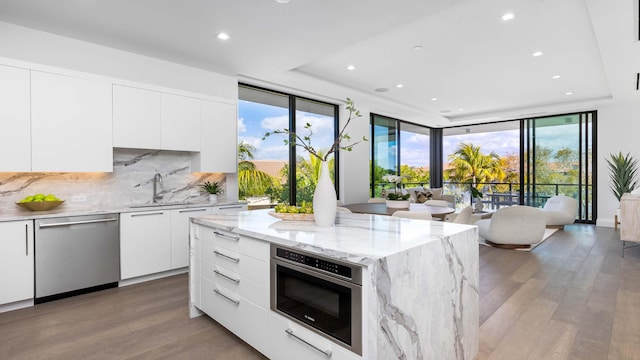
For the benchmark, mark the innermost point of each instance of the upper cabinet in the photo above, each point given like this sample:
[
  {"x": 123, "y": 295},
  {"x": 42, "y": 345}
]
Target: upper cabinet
[
  {"x": 15, "y": 119},
  {"x": 136, "y": 118},
  {"x": 148, "y": 119},
  {"x": 219, "y": 137},
  {"x": 70, "y": 124},
  {"x": 180, "y": 123}
]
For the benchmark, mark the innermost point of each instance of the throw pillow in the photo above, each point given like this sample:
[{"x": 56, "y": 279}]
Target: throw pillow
[
  {"x": 436, "y": 194},
  {"x": 422, "y": 196}
]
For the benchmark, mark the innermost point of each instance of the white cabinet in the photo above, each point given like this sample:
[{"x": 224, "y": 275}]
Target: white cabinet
[
  {"x": 219, "y": 138},
  {"x": 16, "y": 261},
  {"x": 180, "y": 123},
  {"x": 136, "y": 118},
  {"x": 290, "y": 341},
  {"x": 229, "y": 208},
  {"x": 232, "y": 288},
  {"x": 15, "y": 119},
  {"x": 71, "y": 124},
  {"x": 180, "y": 219},
  {"x": 148, "y": 119},
  {"x": 145, "y": 243}
]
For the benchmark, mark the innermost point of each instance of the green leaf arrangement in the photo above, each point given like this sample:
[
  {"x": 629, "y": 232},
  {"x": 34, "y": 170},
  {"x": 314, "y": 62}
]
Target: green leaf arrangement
[
  {"x": 211, "y": 187},
  {"x": 623, "y": 173}
]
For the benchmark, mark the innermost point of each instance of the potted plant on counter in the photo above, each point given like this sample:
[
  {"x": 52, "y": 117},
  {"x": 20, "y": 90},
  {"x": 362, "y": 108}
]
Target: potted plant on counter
[
  {"x": 213, "y": 188},
  {"x": 394, "y": 199}
]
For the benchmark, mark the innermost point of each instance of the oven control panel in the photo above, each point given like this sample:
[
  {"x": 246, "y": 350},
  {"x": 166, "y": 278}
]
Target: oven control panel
[{"x": 314, "y": 262}]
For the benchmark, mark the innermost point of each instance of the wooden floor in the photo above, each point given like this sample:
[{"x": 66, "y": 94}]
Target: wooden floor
[{"x": 573, "y": 297}]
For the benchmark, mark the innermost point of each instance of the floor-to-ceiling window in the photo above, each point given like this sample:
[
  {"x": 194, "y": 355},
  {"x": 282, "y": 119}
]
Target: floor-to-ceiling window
[
  {"x": 523, "y": 161},
  {"x": 558, "y": 161},
  {"x": 398, "y": 147},
  {"x": 486, "y": 156},
  {"x": 269, "y": 170}
]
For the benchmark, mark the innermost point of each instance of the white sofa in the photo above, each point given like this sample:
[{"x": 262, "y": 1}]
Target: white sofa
[
  {"x": 513, "y": 227},
  {"x": 560, "y": 210}
]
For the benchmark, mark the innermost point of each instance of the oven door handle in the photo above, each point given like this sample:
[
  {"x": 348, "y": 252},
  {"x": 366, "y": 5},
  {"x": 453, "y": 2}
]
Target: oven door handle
[{"x": 326, "y": 353}]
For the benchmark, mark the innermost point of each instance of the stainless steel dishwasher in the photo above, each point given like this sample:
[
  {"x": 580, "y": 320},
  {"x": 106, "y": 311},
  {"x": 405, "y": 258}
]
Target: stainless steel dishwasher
[{"x": 75, "y": 255}]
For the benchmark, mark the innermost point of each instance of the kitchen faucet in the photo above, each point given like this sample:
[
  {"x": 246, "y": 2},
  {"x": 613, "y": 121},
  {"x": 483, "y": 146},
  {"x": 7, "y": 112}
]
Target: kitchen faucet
[{"x": 157, "y": 178}]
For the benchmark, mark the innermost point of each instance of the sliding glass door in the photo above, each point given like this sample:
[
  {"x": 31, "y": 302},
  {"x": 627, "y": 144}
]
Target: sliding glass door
[{"x": 558, "y": 155}]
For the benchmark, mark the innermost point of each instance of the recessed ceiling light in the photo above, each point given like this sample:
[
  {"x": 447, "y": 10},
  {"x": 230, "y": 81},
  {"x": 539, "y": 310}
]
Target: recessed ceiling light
[
  {"x": 350, "y": 67},
  {"x": 223, "y": 36},
  {"x": 508, "y": 16},
  {"x": 461, "y": 109},
  {"x": 381, "y": 90},
  {"x": 569, "y": 93},
  {"x": 282, "y": 1},
  {"x": 555, "y": 77},
  {"x": 417, "y": 47},
  {"x": 399, "y": 86},
  {"x": 537, "y": 53},
  {"x": 434, "y": 99}
]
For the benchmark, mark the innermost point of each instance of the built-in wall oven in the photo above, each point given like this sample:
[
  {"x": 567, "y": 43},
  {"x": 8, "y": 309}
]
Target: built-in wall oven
[{"x": 322, "y": 294}]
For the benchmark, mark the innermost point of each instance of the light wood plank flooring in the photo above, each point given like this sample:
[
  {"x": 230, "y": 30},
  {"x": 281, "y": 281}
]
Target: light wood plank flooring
[{"x": 573, "y": 297}]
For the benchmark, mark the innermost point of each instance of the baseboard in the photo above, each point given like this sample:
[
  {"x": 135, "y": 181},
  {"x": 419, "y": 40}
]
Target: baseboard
[
  {"x": 150, "y": 277},
  {"x": 16, "y": 305},
  {"x": 606, "y": 222}
]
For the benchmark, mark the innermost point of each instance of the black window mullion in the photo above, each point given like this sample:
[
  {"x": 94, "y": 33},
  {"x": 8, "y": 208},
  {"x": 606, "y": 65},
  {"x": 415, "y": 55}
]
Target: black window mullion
[{"x": 292, "y": 151}]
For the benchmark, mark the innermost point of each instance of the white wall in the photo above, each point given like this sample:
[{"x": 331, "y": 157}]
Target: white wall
[
  {"x": 40, "y": 47},
  {"x": 618, "y": 130},
  {"x": 354, "y": 165}
]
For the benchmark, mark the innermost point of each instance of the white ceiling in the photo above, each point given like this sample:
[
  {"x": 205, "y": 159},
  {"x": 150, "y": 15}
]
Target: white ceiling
[{"x": 470, "y": 59}]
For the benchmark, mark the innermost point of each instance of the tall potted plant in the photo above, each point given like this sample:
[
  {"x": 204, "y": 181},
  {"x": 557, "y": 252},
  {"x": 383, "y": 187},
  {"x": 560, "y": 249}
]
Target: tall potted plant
[{"x": 623, "y": 170}]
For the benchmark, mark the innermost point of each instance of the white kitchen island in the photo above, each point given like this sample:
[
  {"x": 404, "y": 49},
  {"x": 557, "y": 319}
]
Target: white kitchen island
[{"x": 419, "y": 283}]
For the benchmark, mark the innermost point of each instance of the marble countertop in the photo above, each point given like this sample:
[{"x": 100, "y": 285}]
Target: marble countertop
[
  {"x": 357, "y": 238},
  {"x": 61, "y": 211}
]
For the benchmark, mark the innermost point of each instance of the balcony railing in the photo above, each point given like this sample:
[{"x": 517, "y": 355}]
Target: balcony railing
[{"x": 497, "y": 195}]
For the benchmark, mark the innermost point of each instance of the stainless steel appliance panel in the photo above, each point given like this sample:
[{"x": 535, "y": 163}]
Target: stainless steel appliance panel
[
  {"x": 322, "y": 294},
  {"x": 73, "y": 253}
]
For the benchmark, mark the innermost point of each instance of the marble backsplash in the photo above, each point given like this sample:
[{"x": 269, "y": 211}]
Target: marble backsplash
[{"x": 130, "y": 183}]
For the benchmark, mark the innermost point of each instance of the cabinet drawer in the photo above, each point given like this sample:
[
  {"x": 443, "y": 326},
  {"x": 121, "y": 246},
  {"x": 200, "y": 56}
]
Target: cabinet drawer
[
  {"x": 239, "y": 284},
  {"x": 244, "y": 245},
  {"x": 290, "y": 341},
  {"x": 244, "y": 265},
  {"x": 240, "y": 316}
]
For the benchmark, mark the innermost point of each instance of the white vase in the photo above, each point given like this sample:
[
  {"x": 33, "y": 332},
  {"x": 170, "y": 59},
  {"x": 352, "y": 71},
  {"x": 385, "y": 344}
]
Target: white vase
[
  {"x": 324, "y": 198},
  {"x": 398, "y": 204},
  {"x": 213, "y": 198}
]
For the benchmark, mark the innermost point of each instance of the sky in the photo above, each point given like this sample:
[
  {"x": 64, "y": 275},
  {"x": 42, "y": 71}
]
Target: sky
[{"x": 255, "y": 119}]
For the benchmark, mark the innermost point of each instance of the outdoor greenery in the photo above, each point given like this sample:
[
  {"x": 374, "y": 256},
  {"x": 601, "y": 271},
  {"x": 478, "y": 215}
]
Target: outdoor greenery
[
  {"x": 252, "y": 181},
  {"x": 469, "y": 165}
]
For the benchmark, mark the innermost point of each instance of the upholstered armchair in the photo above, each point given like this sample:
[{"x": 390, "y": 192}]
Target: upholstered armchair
[
  {"x": 560, "y": 210},
  {"x": 513, "y": 227}
]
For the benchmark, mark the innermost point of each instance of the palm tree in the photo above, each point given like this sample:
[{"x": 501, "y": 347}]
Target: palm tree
[
  {"x": 251, "y": 181},
  {"x": 470, "y": 165}
]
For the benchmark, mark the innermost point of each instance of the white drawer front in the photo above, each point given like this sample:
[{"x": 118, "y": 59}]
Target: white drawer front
[
  {"x": 240, "y": 316},
  {"x": 236, "y": 262},
  {"x": 290, "y": 341},
  {"x": 239, "y": 284},
  {"x": 245, "y": 245}
]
